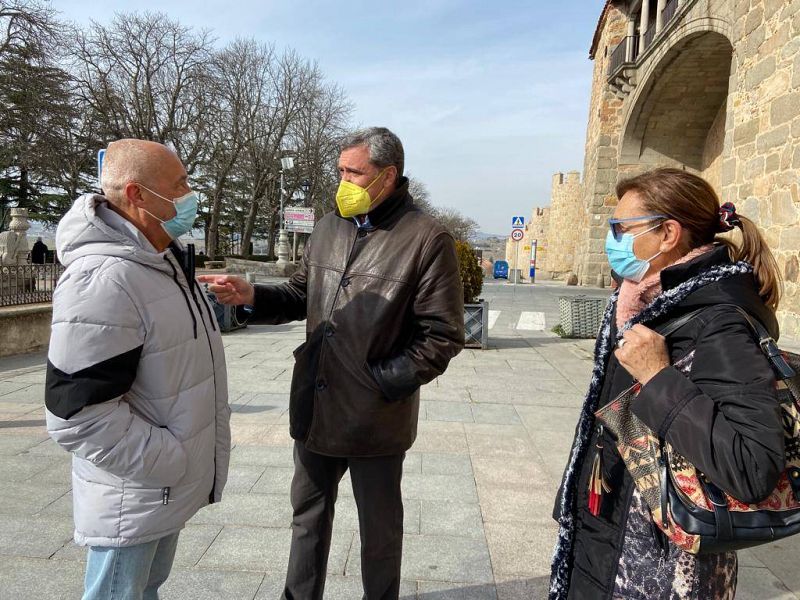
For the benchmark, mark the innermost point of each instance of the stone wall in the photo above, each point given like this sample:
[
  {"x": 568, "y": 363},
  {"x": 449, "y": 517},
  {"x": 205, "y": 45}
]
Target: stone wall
[
  {"x": 761, "y": 166},
  {"x": 566, "y": 208},
  {"x": 25, "y": 328}
]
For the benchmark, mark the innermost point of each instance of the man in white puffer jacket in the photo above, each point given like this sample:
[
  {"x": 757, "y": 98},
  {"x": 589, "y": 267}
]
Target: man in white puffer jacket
[{"x": 136, "y": 380}]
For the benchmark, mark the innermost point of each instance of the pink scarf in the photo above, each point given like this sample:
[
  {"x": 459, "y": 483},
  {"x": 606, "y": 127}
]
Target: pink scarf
[{"x": 634, "y": 297}]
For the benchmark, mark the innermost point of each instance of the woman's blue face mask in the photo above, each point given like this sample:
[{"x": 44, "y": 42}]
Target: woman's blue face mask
[{"x": 619, "y": 248}]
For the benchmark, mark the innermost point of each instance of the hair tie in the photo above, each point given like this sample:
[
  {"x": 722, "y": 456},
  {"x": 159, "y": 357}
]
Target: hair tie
[{"x": 728, "y": 219}]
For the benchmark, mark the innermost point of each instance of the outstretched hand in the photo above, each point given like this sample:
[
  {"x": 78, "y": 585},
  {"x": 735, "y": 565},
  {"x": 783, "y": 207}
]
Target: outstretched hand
[{"x": 229, "y": 289}]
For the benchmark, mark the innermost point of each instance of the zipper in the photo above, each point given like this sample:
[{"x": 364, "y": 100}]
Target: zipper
[
  {"x": 165, "y": 496},
  {"x": 185, "y": 295},
  {"x": 662, "y": 461},
  {"x": 213, "y": 365}
]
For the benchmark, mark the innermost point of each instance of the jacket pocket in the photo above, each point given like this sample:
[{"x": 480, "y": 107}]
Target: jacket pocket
[
  {"x": 304, "y": 388},
  {"x": 369, "y": 378}
]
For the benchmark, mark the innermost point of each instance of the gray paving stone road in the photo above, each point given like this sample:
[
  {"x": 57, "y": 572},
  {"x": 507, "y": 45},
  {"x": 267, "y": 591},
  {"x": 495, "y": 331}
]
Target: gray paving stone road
[{"x": 478, "y": 486}]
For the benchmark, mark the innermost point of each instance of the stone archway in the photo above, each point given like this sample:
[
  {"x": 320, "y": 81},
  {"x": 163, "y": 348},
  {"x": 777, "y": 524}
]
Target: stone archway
[{"x": 677, "y": 115}]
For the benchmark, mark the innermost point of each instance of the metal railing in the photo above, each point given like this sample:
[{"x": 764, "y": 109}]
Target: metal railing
[
  {"x": 28, "y": 283},
  {"x": 618, "y": 58},
  {"x": 669, "y": 11},
  {"x": 620, "y": 55}
]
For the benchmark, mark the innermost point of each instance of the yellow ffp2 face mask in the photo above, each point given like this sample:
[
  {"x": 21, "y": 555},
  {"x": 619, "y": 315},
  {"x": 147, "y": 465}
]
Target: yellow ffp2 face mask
[{"x": 352, "y": 199}]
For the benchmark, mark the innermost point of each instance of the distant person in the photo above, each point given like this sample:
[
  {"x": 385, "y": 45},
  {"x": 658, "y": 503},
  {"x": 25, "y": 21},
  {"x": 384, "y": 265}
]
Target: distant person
[
  {"x": 379, "y": 286},
  {"x": 724, "y": 417},
  {"x": 136, "y": 383},
  {"x": 39, "y": 252}
]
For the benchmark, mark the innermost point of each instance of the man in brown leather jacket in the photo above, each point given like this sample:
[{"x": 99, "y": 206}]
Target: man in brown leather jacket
[{"x": 383, "y": 301}]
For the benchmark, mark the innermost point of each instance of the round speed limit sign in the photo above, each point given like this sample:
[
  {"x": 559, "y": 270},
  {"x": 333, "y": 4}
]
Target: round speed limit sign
[{"x": 517, "y": 235}]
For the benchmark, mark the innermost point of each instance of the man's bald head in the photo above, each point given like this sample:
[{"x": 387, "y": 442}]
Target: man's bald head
[{"x": 135, "y": 161}]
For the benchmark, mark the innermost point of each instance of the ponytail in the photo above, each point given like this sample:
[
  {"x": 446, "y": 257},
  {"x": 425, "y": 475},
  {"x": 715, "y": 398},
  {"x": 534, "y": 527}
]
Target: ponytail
[{"x": 752, "y": 248}]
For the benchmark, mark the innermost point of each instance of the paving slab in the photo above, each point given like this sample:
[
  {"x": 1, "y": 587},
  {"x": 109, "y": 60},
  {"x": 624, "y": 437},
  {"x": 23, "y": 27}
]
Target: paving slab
[
  {"x": 27, "y": 499},
  {"x": 196, "y": 584},
  {"x": 258, "y": 510},
  {"x": 498, "y": 414},
  {"x": 451, "y": 518},
  {"x": 33, "y": 537},
  {"x": 22, "y": 578},
  {"x": 437, "y": 590},
  {"x": 438, "y": 558},
  {"x": 439, "y": 487}
]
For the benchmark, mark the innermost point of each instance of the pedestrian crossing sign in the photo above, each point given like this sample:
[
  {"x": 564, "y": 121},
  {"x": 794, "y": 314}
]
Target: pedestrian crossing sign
[{"x": 518, "y": 222}]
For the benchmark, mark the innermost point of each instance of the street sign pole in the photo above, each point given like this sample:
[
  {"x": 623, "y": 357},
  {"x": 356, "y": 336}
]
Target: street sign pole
[
  {"x": 534, "y": 248},
  {"x": 517, "y": 235}
]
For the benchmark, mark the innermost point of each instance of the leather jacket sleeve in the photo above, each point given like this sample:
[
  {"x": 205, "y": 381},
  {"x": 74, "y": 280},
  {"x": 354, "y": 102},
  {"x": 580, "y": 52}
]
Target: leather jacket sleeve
[
  {"x": 438, "y": 309},
  {"x": 285, "y": 302},
  {"x": 725, "y": 418}
]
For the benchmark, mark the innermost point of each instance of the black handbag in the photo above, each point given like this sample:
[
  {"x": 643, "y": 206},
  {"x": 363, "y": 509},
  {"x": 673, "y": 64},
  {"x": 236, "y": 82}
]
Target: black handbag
[{"x": 693, "y": 512}]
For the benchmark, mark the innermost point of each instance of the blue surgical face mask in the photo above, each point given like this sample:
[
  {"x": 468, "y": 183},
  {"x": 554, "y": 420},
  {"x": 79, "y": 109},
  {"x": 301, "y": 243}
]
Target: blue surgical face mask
[
  {"x": 623, "y": 260},
  {"x": 185, "y": 214}
]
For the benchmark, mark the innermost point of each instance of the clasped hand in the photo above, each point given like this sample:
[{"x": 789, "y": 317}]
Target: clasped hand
[{"x": 643, "y": 353}]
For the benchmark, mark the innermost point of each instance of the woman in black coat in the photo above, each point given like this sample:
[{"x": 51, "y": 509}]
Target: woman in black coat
[{"x": 724, "y": 417}]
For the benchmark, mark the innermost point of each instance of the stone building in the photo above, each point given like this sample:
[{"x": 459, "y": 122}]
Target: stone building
[
  {"x": 711, "y": 86},
  {"x": 566, "y": 206}
]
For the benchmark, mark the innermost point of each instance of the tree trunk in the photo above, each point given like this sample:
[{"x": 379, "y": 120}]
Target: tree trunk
[
  {"x": 24, "y": 191},
  {"x": 213, "y": 228},
  {"x": 271, "y": 237},
  {"x": 249, "y": 225}
]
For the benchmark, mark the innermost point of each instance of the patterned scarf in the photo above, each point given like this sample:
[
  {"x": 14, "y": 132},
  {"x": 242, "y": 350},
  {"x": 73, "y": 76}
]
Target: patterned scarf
[
  {"x": 633, "y": 297},
  {"x": 561, "y": 567}
]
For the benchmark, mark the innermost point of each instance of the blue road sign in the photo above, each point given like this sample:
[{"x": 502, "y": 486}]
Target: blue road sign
[{"x": 518, "y": 222}]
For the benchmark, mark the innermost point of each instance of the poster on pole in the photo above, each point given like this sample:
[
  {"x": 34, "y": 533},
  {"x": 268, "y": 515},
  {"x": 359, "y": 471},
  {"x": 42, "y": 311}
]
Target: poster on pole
[
  {"x": 534, "y": 248},
  {"x": 299, "y": 219}
]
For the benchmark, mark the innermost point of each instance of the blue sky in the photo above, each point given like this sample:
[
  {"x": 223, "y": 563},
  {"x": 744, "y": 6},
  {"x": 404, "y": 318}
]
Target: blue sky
[{"x": 489, "y": 98}]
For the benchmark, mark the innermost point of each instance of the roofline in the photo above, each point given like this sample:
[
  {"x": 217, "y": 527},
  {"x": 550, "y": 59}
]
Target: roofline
[{"x": 598, "y": 30}]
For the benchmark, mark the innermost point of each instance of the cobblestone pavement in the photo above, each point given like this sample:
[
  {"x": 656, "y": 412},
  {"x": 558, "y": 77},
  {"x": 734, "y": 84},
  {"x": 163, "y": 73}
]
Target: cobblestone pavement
[{"x": 479, "y": 482}]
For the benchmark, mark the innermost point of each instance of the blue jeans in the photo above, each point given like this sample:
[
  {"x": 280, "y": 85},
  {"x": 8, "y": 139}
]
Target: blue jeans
[{"x": 129, "y": 572}]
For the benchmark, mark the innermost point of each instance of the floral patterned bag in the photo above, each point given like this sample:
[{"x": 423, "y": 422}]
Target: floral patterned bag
[{"x": 694, "y": 513}]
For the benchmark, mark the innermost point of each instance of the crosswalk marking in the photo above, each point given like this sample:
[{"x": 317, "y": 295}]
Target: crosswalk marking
[
  {"x": 531, "y": 321},
  {"x": 493, "y": 314}
]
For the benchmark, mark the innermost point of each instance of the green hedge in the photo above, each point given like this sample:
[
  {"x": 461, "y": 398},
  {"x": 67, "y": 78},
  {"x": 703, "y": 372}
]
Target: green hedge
[{"x": 470, "y": 271}]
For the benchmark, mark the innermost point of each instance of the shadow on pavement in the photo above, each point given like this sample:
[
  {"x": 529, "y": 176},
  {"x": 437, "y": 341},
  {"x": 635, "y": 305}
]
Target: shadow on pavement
[
  {"x": 16, "y": 424},
  {"x": 247, "y": 409},
  {"x": 512, "y": 589}
]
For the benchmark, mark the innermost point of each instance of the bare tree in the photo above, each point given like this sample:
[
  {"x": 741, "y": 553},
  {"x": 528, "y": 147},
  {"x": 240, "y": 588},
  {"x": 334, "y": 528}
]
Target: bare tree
[
  {"x": 461, "y": 227},
  {"x": 241, "y": 75},
  {"x": 144, "y": 76},
  {"x": 23, "y": 23},
  {"x": 293, "y": 83},
  {"x": 422, "y": 197}
]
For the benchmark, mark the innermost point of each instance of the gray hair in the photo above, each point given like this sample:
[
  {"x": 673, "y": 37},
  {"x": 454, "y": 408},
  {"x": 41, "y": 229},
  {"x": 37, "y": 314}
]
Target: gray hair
[{"x": 385, "y": 148}]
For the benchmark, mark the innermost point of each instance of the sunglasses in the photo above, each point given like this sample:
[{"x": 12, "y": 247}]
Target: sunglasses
[{"x": 615, "y": 224}]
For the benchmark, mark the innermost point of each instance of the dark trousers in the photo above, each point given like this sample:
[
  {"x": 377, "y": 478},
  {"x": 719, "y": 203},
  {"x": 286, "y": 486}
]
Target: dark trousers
[{"x": 376, "y": 487}]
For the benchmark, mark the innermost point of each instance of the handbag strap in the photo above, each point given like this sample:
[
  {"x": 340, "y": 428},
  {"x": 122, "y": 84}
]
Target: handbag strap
[
  {"x": 672, "y": 326},
  {"x": 768, "y": 345}
]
